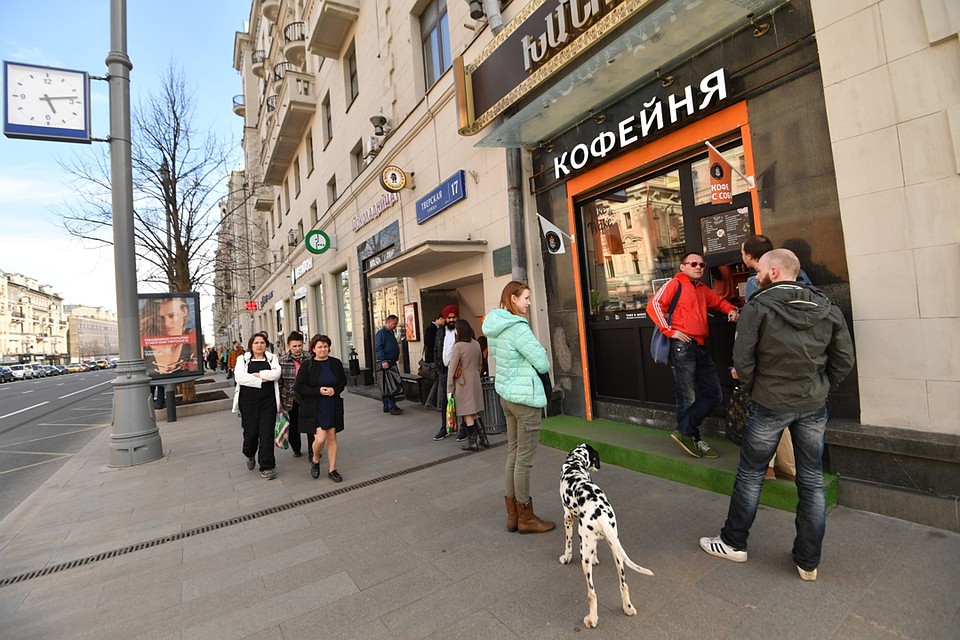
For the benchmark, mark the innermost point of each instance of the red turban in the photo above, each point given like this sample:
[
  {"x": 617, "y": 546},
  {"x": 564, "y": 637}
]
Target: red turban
[{"x": 451, "y": 308}]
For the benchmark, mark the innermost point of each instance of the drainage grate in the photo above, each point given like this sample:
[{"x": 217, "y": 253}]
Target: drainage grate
[{"x": 106, "y": 555}]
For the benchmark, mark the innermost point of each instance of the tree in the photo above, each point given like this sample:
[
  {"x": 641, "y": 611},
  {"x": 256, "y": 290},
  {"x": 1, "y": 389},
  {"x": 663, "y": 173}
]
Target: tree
[{"x": 178, "y": 173}]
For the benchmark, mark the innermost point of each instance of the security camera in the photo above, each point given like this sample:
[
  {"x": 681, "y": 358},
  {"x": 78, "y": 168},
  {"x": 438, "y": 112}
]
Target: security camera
[
  {"x": 476, "y": 9},
  {"x": 378, "y": 122}
]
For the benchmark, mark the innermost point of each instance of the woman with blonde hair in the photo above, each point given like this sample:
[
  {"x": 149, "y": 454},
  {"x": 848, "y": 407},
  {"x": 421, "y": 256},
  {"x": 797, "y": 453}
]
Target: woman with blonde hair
[{"x": 520, "y": 360}]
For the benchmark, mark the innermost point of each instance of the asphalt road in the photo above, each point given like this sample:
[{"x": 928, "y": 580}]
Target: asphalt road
[{"x": 43, "y": 422}]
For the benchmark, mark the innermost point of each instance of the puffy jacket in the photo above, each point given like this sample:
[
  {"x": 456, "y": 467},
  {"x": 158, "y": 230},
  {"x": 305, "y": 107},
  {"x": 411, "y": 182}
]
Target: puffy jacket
[
  {"x": 519, "y": 357},
  {"x": 690, "y": 314},
  {"x": 792, "y": 347}
]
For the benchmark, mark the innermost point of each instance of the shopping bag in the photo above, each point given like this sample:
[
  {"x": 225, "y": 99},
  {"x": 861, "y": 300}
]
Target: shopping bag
[
  {"x": 281, "y": 431},
  {"x": 738, "y": 412},
  {"x": 451, "y": 414}
]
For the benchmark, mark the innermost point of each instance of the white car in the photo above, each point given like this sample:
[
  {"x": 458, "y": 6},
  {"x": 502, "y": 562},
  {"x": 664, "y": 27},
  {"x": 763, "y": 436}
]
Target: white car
[{"x": 22, "y": 371}]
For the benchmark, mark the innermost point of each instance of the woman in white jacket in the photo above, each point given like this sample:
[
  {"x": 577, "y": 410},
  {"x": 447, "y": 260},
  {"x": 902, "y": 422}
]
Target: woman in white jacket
[{"x": 257, "y": 397}]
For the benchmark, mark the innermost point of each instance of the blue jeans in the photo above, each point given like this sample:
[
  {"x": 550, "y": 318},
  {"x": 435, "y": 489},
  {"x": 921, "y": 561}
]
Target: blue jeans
[
  {"x": 764, "y": 428},
  {"x": 389, "y": 402},
  {"x": 697, "y": 385}
]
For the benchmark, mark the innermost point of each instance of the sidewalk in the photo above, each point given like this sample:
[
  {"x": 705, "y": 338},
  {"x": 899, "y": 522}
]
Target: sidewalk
[{"x": 412, "y": 545}]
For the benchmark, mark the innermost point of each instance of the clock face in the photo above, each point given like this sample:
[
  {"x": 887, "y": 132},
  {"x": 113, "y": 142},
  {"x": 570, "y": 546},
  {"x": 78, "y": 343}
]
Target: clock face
[{"x": 44, "y": 102}]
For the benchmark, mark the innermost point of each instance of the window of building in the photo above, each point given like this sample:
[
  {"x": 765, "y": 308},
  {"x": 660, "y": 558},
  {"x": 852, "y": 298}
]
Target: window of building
[
  {"x": 300, "y": 230},
  {"x": 296, "y": 177},
  {"x": 327, "y": 120},
  {"x": 435, "y": 36},
  {"x": 332, "y": 194},
  {"x": 356, "y": 159},
  {"x": 611, "y": 272},
  {"x": 273, "y": 219},
  {"x": 627, "y": 220},
  {"x": 309, "y": 152},
  {"x": 314, "y": 218},
  {"x": 286, "y": 199},
  {"x": 350, "y": 74},
  {"x": 635, "y": 259}
]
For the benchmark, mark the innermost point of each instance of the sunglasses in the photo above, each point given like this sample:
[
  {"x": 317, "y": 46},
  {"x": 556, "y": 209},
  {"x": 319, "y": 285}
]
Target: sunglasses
[{"x": 701, "y": 265}]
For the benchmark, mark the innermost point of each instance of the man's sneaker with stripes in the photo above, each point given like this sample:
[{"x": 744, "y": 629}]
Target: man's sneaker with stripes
[{"x": 717, "y": 547}]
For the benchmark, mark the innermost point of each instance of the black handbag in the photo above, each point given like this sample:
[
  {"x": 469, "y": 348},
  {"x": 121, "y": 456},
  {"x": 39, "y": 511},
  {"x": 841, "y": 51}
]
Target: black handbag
[
  {"x": 427, "y": 370},
  {"x": 547, "y": 385}
]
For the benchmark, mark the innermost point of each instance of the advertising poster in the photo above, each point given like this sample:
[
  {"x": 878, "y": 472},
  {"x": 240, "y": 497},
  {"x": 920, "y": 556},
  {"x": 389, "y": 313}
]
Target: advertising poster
[{"x": 170, "y": 339}]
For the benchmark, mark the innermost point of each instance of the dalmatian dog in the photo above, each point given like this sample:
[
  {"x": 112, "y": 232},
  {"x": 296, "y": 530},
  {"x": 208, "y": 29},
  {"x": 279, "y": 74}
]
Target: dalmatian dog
[{"x": 585, "y": 501}]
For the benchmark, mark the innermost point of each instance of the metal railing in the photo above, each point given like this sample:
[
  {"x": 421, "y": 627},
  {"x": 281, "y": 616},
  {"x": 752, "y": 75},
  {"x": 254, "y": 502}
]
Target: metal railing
[
  {"x": 259, "y": 56},
  {"x": 294, "y": 32},
  {"x": 238, "y": 101},
  {"x": 272, "y": 102},
  {"x": 280, "y": 69}
]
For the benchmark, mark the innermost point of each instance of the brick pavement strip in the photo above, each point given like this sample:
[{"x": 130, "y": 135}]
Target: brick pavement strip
[{"x": 426, "y": 554}]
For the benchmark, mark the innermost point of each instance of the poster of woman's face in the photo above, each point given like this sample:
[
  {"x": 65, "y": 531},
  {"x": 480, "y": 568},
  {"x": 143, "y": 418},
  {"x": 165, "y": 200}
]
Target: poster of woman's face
[{"x": 168, "y": 334}]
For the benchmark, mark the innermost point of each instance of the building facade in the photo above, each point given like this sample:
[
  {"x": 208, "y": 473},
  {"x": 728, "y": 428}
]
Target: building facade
[
  {"x": 364, "y": 200},
  {"x": 93, "y": 332},
  {"x": 386, "y": 170},
  {"x": 32, "y": 323}
]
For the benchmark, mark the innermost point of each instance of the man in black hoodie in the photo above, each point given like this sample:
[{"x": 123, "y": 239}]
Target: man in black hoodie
[{"x": 792, "y": 349}]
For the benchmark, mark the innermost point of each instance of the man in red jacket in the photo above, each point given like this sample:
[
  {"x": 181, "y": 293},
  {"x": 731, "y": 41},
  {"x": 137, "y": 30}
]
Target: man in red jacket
[{"x": 694, "y": 373}]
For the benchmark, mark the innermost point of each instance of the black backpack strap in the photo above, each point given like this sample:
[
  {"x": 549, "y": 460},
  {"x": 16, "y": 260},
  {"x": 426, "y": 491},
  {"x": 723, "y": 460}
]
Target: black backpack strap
[{"x": 676, "y": 299}]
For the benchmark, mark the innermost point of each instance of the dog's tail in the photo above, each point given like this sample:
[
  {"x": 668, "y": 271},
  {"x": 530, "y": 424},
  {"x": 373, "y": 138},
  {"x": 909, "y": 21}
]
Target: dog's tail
[{"x": 614, "y": 540}]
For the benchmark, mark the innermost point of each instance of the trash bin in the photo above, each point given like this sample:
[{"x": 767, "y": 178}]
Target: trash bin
[{"x": 493, "y": 419}]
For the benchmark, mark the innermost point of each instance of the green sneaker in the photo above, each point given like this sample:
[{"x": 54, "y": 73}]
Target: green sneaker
[
  {"x": 686, "y": 443},
  {"x": 706, "y": 451}
]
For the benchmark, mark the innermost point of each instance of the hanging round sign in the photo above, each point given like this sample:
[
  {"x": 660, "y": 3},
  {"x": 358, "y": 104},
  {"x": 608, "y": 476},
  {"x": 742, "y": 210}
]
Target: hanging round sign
[{"x": 317, "y": 241}]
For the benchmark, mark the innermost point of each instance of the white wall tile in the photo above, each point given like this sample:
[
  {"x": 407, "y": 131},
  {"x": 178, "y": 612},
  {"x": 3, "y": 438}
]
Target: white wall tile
[
  {"x": 894, "y": 402},
  {"x": 851, "y": 46},
  {"x": 868, "y": 163},
  {"x": 883, "y": 286},
  {"x": 938, "y": 281},
  {"x": 861, "y": 104},
  {"x": 875, "y": 223}
]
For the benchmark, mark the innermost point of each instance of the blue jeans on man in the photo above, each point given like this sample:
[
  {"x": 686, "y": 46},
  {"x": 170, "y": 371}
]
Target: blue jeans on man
[
  {"x": 697, "y": 385},
  {"x": 764, "y": 428}
]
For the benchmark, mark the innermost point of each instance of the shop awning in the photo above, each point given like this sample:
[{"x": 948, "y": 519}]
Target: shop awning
[
  {"x": 428, "y": 256},
  {"x": 666, "y": 34}
]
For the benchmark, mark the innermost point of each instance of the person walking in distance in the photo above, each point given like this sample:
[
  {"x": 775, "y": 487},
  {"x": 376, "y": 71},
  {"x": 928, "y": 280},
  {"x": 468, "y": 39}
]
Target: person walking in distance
[
  {"x": 290, "y": 363},
  {"x": 519, "y": 360},
  {"x": 388, "y": 352},
  {"x": 320, "y": 383},
  {"x": 792, "y": 349},
  {"x": 694, "y": 373},
  {"x": 442, "y": 348}
]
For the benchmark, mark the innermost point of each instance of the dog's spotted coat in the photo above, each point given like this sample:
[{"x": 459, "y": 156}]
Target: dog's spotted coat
[{"x": 585, "y": 501}]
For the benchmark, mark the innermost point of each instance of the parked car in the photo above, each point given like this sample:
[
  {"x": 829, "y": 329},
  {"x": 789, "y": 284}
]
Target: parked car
[
  {"x": 51, "y": 370},
  {"x": 102, "y": 364},
  {"x": 74, "y": 367},
  {"x": 61, "y": 368},
  {"x": 112, "y": 362},
  {"x": 89, "y": 365},
  {"x": 6, "y": 375},
  {"x": 38, "y": 371},
  {"x": 22, "y": 371}
]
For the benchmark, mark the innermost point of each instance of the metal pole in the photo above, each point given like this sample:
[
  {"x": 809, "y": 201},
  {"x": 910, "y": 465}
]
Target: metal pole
[
  {"x": 518, "y": 239},
  {"x": 135, "y": 438}
]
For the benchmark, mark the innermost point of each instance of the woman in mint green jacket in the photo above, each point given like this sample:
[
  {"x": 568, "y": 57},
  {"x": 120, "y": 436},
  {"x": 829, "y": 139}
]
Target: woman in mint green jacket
[{"x": 519, "y": 358}]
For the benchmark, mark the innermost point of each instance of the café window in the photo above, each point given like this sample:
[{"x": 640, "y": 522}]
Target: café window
[{"x": 626, "y": 264}]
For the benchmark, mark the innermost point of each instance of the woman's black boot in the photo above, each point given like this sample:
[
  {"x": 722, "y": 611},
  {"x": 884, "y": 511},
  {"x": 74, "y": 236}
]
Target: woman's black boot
[
  {"x": 481, "y": 434},
  {"x": 471, "y": 439}
]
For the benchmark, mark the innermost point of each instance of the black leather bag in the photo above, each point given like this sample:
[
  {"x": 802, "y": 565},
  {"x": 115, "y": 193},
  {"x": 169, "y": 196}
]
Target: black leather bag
[
  {"x": 738, "y": 412},
  {"x": 547, "y": 385},
  {"x": 427, "y": 370}
]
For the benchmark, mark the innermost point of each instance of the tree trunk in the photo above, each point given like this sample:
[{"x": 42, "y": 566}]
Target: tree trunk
[{"x": 188, "y": 391}]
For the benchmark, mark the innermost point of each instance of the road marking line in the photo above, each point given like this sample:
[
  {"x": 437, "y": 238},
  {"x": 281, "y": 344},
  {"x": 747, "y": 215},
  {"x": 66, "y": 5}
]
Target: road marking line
[
  {"x": 87, "y": 389},
  {"x": 32, "y": 453},
  {"x": 24, "y": 409},
  {"x": 35, "y": 464},
  {"x": 26, "y": 392},
  {"x": 54, "y": 435}
]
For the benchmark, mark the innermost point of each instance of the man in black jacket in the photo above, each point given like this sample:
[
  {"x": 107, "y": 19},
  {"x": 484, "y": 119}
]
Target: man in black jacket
[
  {"x": 443, "y": 346},
  {"x": 388, "y": 352},
  {"x": 430, "y": 333},
  {"x": 792, "y": 349}
]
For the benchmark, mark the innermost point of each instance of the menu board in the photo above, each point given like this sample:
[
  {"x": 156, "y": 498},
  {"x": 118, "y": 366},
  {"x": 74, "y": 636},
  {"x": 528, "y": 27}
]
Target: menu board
[{"x": 725, "y": 231}]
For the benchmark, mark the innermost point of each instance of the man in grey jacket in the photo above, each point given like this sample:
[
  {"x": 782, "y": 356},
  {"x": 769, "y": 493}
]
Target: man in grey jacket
[{"x": 792, "y": 349}]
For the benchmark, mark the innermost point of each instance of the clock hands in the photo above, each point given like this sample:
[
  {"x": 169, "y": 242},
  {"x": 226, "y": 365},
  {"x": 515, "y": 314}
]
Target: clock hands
[{"x": 49, "y": 100}]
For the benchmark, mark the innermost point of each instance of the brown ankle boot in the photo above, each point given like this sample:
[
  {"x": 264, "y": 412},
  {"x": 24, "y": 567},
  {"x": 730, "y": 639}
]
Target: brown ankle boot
[
  {"x": 511, "y": 514},
  {"x": 528, "y": 522}
]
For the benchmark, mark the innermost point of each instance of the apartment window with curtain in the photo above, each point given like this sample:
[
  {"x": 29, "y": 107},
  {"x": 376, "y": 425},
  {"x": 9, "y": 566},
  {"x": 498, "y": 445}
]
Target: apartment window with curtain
[
  {"x": 296, "y": 177},
  {"x": 332, "y": 194},
  {"x": 435, "y": 36},
  {"x": 350, "y": 73}
]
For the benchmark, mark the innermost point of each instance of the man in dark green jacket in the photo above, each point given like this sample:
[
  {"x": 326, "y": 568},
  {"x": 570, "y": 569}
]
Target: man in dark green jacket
[{"x": 792, "y": 349}]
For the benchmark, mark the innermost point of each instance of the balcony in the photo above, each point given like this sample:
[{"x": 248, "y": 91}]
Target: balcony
[
  {"x": 263, "y": 199},
  {"x": 259, "y": 58},
  {"x": 271, "y": 9},
  {"x": 295, "y": 43},
  {"x": 238, "y": 107},
  {"x": 296, "y": 105},
  {"x": 271, "y": 103},
  {"x": 279, "y": 70},
  {"x": 331, "y": 21}
]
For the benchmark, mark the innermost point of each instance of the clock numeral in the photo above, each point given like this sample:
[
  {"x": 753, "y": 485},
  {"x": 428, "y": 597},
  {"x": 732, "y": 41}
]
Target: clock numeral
[{"x": 48, "y": 81}]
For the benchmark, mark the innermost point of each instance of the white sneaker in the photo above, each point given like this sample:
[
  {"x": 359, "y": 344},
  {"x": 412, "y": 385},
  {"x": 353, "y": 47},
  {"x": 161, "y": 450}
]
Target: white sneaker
[
  {"x": 717, "y": 547},
  {"x": 807, "y": 576}
]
